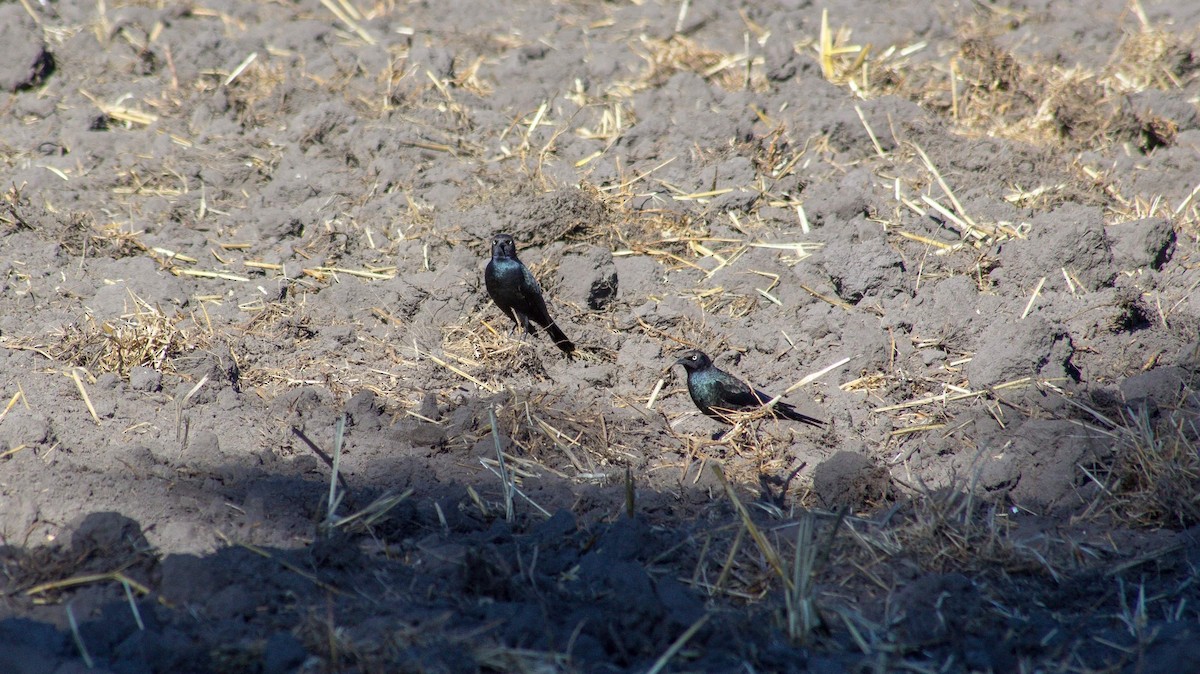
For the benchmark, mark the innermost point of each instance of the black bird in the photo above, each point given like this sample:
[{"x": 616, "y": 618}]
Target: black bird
[
  {"x": 718, "y": 393},
  {"x": 518, "y": 294}
]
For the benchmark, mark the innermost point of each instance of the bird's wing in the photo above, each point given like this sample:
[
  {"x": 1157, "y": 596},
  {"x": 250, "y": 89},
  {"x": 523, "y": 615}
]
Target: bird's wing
[
  {"x": 535, "y": 302},
  {"x": 764, "y": 398},
  {"x": 530, "y": 284},
  {"x": 736, "y": 395},
  {"x": 489, "y": 270}
]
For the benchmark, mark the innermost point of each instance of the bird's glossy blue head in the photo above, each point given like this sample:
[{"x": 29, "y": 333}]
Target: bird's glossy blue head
[
  {"x": 504, "y": 247},
  {"x": 694, "y": 360}
]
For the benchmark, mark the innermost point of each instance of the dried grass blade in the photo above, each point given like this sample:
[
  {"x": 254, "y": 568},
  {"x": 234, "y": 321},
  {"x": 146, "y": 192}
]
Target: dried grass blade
[
  {"x": 200, "y": 273},
  {"x": 505, "y": 478},
  {"x": 349, "y": 21},
  {"x": 678, "y": 645},
  {"x": 487, "y": 387},
  {"x": 764, "y": 546},
  {"x": 87, "y": 400},
  {"x": 12, "y": 402}
]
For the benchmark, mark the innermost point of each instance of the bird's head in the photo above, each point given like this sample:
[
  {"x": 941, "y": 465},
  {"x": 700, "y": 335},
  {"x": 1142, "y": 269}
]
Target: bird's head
[
  {"x": 694, "y": 360},
  {"x": 503, "y": 246}
]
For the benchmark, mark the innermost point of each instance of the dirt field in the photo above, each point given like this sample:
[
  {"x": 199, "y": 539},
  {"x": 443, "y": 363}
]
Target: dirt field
[{"x": 242, "y": 252}]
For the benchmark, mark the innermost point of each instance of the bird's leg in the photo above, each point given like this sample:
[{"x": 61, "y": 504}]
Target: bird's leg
[
  {"x": 523, "y": 321},
  {"x": 512, "y": 317}
]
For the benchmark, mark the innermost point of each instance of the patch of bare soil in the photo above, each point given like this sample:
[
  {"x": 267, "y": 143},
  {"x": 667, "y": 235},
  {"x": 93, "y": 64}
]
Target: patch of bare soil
[{"x": 257, "y": 413}]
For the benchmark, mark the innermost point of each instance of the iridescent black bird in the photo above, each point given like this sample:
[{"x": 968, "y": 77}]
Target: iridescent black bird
[
  {"x": 518, "y": 294},
  {"x": 718, "y": 393}
]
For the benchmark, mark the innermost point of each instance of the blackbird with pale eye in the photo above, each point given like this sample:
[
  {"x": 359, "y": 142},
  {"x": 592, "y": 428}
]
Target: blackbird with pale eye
[
  {"x": 719, "y": 394},
  {"x": 513, "y": 289}
]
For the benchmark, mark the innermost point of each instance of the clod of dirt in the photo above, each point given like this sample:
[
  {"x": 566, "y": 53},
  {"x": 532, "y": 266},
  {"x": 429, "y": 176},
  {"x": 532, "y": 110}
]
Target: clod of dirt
[
  {"x": 429, "y": 406},
  {"x": 866, "y": 269},
  {"x": 1164, "y": 386},
  {"x": 337, "y": 550},
  {"x": 30, "y": 647},
  {"x": 1072, "y": 238},
  {"x": 1038, "y": 468},
  {"x": 636, "y": 353},
  {"x": 589, "y": 279},
  {"x": 1162, "y": 117},
  {"x": 640, "y": 276},
  {"x": 1176, "y": 648},
  {"x": 935, "y": 606},
  {"x": 420, "y": 434},
  {"x": 27, "y": 62},
  {"x": 550, "y": 216},
  {"x": 185, "y": 579},
  {"x": 485, "y": 573},
  {"x": 304, "y": 404},
  {"x": 834, "y": 204},
  {"x": 108, "y": 533},
  {"x": 438, "y": 60},
  {"x": 850, "y": 479},
  {"x": 781, "y": 61},
  {"x": 669, "y": 312},
  {"x": 323, "y": 123},
  {"x": 936, "y": 609},
  {"x": 27, "y": 427},
  {"x": 1128, "y": 312},
  {"x": 1148, "y": 242},
  {"x": 364, "y": 412},
  {"x": 21, "y": 514},
  {"x": 205, "y": 443},
  {"x": 282, "y": 653},
  {"x": 145, "y": 379},
  {"x": 947, "y": 309},
  {"x": 221, "y": 371},
  {"x": 272, "y": 224},
  {"x": 1010, "y": 350}
]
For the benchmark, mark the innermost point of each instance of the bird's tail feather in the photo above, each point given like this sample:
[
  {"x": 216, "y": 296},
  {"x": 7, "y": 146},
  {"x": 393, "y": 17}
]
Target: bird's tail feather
[
  {"x": 560, "y": 339},
  {"x": 788, "y": 412}
]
